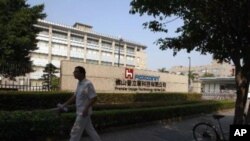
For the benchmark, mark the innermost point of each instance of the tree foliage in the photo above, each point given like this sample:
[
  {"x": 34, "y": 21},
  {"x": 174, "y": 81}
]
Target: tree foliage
[
  {"x": 193, "y": 75},
  {"x": 50, "y": 80},
  {"x": 164, "y": 70},
  {"x": 17, "y": 36},
  {"x": 218, "y": 27},
  {"x": 208, "y": 74}
]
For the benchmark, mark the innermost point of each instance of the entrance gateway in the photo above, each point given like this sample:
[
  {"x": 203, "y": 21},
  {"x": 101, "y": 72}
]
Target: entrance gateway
[{"x": 111, "y": 79}]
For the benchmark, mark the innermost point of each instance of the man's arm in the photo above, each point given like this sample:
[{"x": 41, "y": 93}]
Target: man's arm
[
  {"x": 70, "y": 100},
  {"x": 88, "y": 105}
]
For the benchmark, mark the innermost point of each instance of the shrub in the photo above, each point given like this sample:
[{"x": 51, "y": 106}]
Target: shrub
[
  {"x": 28, "y": 101},
  {"x": 12, "y": 101},
  {"x": 40, "y": 124},
  {"x": 146, "y": 97}
]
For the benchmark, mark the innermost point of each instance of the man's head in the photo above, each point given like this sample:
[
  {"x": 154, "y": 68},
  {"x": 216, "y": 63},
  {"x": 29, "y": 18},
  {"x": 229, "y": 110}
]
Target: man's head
[{"x": 79, "y": 73}]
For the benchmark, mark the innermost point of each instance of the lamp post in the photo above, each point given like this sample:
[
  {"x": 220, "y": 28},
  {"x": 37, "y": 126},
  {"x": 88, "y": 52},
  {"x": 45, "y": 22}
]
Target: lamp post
[
  {"x": 119, "y": 51},
  {"x": 189, "y": 74}
]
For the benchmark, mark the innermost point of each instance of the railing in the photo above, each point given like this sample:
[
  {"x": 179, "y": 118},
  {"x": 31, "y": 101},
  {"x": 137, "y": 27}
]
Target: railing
[
  {"x": 219, "y": 96},
  {"x": 14, "y": 87}
]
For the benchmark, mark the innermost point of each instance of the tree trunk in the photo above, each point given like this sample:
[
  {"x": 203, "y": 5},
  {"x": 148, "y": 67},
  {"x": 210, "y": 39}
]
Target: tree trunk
[
  {"x": 248, "y": 114},
  {"x": 242, "y": 85}
]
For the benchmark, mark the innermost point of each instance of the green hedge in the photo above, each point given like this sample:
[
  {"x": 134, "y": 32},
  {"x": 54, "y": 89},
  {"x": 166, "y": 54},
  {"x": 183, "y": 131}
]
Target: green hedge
[
  {"x": 132, "y": 116},
  {"x": 146, "y": 97},
  {"x": 102, "y": 106},
  {"x": 39, "y": 125},
  {"x": 34, "y": 92},
  {"x": 12, "y": 101}
]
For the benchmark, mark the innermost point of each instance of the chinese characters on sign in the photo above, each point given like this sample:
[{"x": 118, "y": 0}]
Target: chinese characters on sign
[{"x": 140, "y": 83}]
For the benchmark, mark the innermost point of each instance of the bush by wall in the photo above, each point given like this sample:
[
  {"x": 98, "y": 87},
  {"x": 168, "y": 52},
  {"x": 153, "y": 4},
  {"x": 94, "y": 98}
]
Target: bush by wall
[
  {"x": 105, "y": 106},
  {"x": 147, "y": 97},
  {"x": 132, "y": 116},
  {"x": 30, "y": 101},
  {"x": 12, "y": 101}
]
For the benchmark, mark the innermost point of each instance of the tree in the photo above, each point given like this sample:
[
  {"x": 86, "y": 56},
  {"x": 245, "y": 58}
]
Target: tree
[
  {"x": 50, "y": 80},
  {"x": 218, "y": 27},
  {"x": 163, "y": 70},
  {"x": 17, "y": 36},
  {"x": 193, "y": 75},
  {"x": 208, "y": 74}
]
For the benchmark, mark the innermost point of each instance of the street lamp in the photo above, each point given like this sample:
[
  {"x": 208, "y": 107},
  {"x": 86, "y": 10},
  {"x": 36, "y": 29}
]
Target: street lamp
[
  {"x": 189, "y": 74},
  {"x": 119, "y": 51}
]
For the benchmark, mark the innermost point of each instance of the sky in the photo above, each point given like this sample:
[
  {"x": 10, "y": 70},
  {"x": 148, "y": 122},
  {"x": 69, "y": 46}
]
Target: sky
[{"x": 111, "y": 17}]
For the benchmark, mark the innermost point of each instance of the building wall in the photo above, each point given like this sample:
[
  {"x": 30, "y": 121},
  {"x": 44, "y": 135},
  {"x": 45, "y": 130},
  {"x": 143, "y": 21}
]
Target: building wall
[
  {"x": 196, "y": 87},
  {"x": 57, "y": 42},
  {"x": 105, "y": 77},
  {"x": 219, "y": 70}
]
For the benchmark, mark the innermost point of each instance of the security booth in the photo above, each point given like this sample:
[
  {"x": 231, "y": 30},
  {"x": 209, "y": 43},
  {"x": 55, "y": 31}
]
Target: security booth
[{"x": 218, "y": 87}]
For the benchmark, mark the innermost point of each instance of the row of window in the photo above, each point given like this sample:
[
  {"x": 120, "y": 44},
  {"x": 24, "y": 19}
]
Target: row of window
[
  {"x": 61, "y": 49},
  {"x": 57, "y": 47},
  {"x": 42, "y": 60},
  {"x": 90, "y": 41},
  {"x": 79, "y": 54},
  {"x": 90, "y": 61}
]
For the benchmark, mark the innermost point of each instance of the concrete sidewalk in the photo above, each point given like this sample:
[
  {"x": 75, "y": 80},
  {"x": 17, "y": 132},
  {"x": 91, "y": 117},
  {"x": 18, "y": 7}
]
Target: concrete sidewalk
[{"x": 174, "y": 131}]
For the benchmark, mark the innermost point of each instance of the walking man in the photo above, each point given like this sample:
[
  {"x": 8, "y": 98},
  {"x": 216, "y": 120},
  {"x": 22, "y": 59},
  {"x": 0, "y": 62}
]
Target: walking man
[{"x": 84, "y": 97}]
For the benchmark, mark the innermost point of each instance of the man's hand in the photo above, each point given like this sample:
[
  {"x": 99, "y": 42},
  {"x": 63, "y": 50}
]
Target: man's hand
[{"x": 62, "y": 108}]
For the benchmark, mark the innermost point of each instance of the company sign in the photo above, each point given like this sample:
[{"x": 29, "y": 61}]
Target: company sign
[
  {"x": 129, "y": 73},
  {"x": 147, "y": 78},
  {"x": 138, "y": 82}
]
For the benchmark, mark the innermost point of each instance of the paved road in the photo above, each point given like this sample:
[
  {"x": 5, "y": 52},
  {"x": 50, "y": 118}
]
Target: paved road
[{"x": 171, "y": 131}]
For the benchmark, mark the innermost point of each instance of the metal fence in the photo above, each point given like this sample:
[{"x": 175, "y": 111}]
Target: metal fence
[
  {"x": 14, "y": 87},
  {"x": 219, "y": 96}
]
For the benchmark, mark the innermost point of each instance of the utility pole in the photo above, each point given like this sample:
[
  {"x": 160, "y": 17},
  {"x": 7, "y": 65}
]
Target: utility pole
[
  {"x": 119, "y": 51},
  {"x": 189, "y": 74}
]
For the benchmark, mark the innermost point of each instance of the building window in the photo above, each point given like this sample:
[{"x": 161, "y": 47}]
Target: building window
[
  {"x": 39, "y": 59},
  {"x": 76, "y": 52},
  {"x": 92, "y": 41},
  {"x": 91, "y": 51},
  {"x": 76, "y": 38},
  {"x": 45, "y": 32},
  {"x": 59, "y": 49},
  {"x": 42, "y": 47},
  {"x": 106, "y": 63},
  {"x": 117, "y": 48},
  {"x": 107, "y": 54},
  {"x": 59, "y": 34},
  {"x": 106, "y": 45},
  {"x": 132, "y": 66},
  {"x": 56, "y": 60},
  {"x": 121, "y": 56},
  {"x": 42, "y": 44},
  {"x": 116, "y": 64},
  {"x": 130, "y": 50},
  {"x": 130, "y": 58},
  {"x": 92, "y": 61},
  {"x": 76, "y": 59}
]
